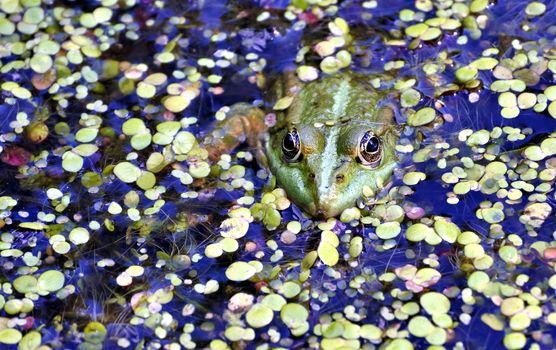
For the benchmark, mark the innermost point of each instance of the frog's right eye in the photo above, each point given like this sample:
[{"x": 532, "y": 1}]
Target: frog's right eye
[{"x": 291, "y": 147}]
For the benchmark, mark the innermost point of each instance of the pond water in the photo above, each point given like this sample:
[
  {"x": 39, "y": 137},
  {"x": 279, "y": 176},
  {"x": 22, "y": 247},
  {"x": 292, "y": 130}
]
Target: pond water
[{"x": 118, "y": 232}]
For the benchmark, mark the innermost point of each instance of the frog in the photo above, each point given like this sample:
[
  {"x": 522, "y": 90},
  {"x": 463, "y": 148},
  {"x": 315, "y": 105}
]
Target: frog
[{"x": 333, "y": 143}]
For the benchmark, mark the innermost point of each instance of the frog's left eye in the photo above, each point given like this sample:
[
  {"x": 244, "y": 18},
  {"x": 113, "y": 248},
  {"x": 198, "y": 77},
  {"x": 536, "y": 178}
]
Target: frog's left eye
[
  {"x": 291, "y": 148},
  {"x": 369, "y": 152}
]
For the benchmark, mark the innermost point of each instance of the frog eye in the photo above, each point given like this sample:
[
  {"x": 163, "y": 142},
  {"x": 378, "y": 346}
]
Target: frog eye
[
  {"x": 370, "y": 150},
  {"x": 291, "y": 146}
]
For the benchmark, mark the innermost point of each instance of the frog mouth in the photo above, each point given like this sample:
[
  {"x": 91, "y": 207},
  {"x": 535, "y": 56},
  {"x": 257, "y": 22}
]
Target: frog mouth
[{"x": 325, "y": 207}]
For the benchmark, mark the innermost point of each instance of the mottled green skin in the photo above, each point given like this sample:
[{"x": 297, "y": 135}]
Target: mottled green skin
[{"x": 329, "y": 179}]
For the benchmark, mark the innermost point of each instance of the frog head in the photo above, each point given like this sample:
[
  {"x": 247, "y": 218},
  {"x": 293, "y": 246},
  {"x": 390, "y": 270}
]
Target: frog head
[{"x": 334, "y": 142}]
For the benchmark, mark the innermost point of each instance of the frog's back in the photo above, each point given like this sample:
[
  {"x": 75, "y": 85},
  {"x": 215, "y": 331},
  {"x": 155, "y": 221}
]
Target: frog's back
[{"x": 337, "y": 98}]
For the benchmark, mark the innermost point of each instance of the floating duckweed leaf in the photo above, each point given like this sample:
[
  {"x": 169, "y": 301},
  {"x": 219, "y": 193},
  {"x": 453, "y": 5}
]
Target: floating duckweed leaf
[
  {"x": 399, "y": 344},
  {"x": 370, "y": 332},
  {"x": 229, "y": 245},
  {"x": 146, "y": 180},
  {"x": 474, "y": 250},
  {"x": 435, "y": 303},
  {"x": 145, "y": 90},
  {"x": 333, "y": 330},
  {"x": 199, "y": 170},
  {"x": 422, "y": 117},
  {"x": 25, "y": 284},
  {"x": 507, "y": 99},
  {"x": 127, "y": 172},
  {"x": 86, "y": 134},
  {"x": 430, "y": 34},
  {"x": 13, "y": 306},
  {"x": 410, "y": 97},
  {"x": 51, "y": 281},
  {"x": 156, "y": 162},
  {"x": 91, "y": 179},
  {"x": 478, "y": 5},
  {"x": 512, "y": 306},
  {"x": 526, "y": 100},
  {"x": 54, "y": 193},
  {"x": 416, "y": 30},
  {"x": 169, "y": 128},
  {"x": 21, "y": 93},
  {"x": 492, "y": 215},
  {"x": 133, "y": 126},
  {"x": 85, "y": 150},
  {"x": 388, "y": 230},
  {"x": 156, "y": 79},
  {"x": 413, "y": 178},
  {"x": 41, "y": 63},
  {"x": 79, "y": 235},
  {"x": 438, "y": 336},
  {"x": 33, "y": 15},
  {"x": 102, "y": 14},
  {"x": 61, "y": 247},
  {"x": 294, "y": 227},
  {"x": 183, "y": 142},
  {"x": 446, "y": 230},
  {"x": 485, "y": 63},
  {"x": 235, "y": 333},
  {"x": 31, "y": 341},
  {"x": 283, "y": 103},
  {"x": 478, "y": 281},
  {"x": 350, "y": 214},
  {"x": 520, "y": 322},
  {"x": 213, "y": 250},
  {"x": 418, "y": 232},
  {"x": 240, "y": 271},
  {"x": 114, "y": 208},
  {"x": 535, "y": 8},
  {"x": 324, "y": 48},
  {"x": 87, "y": 20},
  {"x": 124, "y": 279},
  {"x": 235, "y": 228},
  {"x": 466, "y": 74},
  {"x": 493, "y": 321},
  {"x": 141, "y": 141},
  {"x": 550, "y": 92},
  {"x": 72, "y": 162},
  {"x": 307, "y": 73},
  {"x": 259, "y": 316},
  {"x": 509, "y": 254},
  {"x": 514, "y": 341},
  {"x": 330, "y": 65},
  {"x": 135, "y": 270},
  {"x": 328, "y": 253},
  {"x": 176, "y": 104},
  {"x": 294, "y": 315},
  {"x": 10, "y": 336},
  {"x": 290, "y": 289},
  {"x": 274, "y": 301},
  {"x": 420, "y": 326},
  {"x": 6, "y": 27},
  {"x": 552, "y": 109}
]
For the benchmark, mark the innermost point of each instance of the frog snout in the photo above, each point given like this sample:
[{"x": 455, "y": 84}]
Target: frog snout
[{"x": 326, "y": 200}]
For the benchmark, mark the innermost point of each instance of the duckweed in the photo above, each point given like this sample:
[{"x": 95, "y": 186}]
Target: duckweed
[{"x": 114, "y": 200}]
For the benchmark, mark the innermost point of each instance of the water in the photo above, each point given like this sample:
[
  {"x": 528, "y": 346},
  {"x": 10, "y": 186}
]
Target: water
[{"x": 117, "y": 232}]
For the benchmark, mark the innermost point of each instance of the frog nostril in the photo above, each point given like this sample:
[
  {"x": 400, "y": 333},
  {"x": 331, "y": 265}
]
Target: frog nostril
[{"x": 339, "y": 178}]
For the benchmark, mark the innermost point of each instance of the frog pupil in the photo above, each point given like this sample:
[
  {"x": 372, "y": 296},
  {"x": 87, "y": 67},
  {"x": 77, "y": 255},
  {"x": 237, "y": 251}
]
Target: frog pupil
[
  {"x": 289, "y": 142},
  {"x": 372, "y": 145}
]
